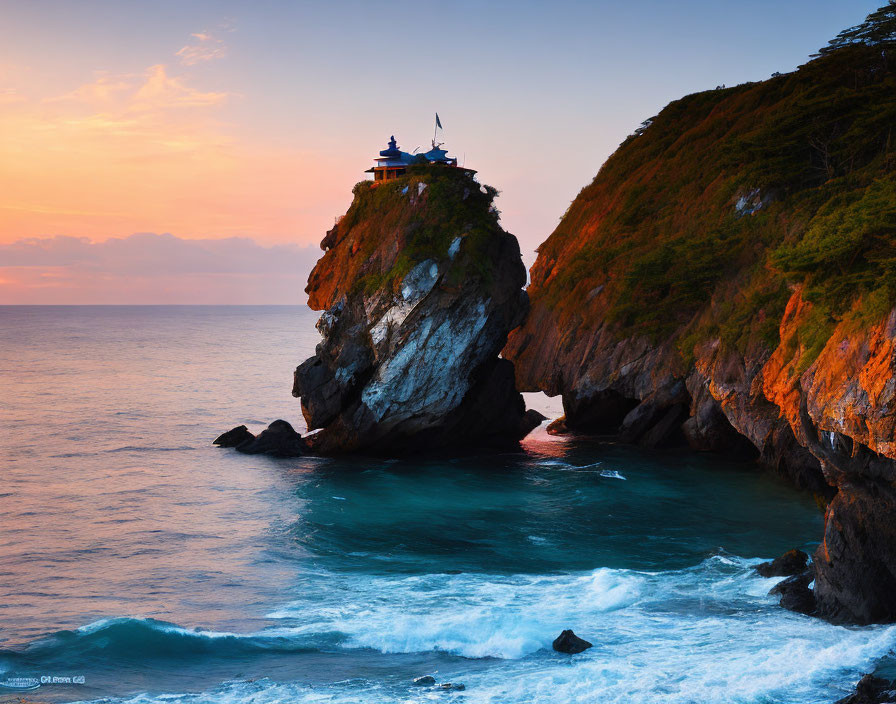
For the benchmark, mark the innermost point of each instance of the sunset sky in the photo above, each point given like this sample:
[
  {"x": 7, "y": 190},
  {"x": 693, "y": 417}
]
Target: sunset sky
[{"x": 196, "y": 152}]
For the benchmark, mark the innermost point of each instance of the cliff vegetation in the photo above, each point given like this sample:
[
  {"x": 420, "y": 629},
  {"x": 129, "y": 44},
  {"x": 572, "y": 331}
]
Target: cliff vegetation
[{"x": 730, "y": 275}]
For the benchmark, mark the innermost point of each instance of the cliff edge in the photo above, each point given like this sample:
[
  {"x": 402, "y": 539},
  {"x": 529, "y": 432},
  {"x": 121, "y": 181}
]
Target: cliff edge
[
  {"x": 728, "y": 281},
  {"x": 419, "y": 286}
]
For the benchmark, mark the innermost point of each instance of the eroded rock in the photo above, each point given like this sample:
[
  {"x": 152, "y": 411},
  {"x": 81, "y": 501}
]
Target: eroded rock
[
  {"x": 279, "y": 439},
  {"x": 234, "y": 437},
  {"x": 419, "y": 288},
  {"x": 630, "y": 300}
]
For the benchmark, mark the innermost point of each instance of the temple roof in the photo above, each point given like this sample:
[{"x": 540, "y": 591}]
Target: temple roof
[
  {"x": 436, "y": 154},
  {"x": 392, "y": 156},
  {"x": 391, "y": 151}
]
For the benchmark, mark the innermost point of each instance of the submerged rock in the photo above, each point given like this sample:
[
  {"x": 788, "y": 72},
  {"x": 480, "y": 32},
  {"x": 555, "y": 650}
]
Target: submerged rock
[
  {"x": 419, "y": 288},
  {"x": 871, "y": 690},
  {"x": 790, "y": 563},
  {"x": 279, "y": 439},
  {"x": 234, "y": 437},
  {"x": 569, "y": 642}
]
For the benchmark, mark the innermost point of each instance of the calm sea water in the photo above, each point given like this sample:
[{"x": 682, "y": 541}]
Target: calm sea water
[{"x": 162, "y": 569}]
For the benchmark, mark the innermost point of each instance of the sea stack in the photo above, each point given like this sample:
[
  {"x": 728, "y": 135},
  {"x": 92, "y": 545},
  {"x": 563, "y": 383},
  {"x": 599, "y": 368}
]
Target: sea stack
[{"x": 420, "y": 287}]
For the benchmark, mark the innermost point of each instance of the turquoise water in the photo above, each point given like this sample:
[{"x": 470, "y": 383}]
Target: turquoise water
[{"x": 162, "y": 569}]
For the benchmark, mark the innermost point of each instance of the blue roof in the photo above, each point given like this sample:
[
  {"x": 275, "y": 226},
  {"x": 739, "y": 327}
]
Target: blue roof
[
  {"x": 391, "y": 150},
  {"x": 393, "y": 156},
  {"x": 436, "y": 154}
]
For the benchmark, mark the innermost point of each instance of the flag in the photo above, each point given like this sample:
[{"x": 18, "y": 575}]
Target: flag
[{"x": 438, "y": 122}]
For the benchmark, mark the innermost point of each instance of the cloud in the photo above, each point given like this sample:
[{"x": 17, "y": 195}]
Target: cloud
[
  {"x": 154, "y": 90},
  {"x": 206, "y": 48},
  {"x": 162, "y": 90},
  {"x": 153, "y": 268},
  {"x": 10, "y": 95},
  {"x": 154, "y": 150},
  {"x": 129, "y": 149},
  {"x": 101, "y": 92}
]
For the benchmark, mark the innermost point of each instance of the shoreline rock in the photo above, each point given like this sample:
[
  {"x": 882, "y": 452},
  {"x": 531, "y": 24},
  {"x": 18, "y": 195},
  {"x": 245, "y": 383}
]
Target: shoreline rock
[
  {"x": 279, "y": 439},
  {"x": 795, "y": 593},
  {"x": 791, "y": 563},
  {"x": 234, "y": 437},
  {"x": 871, "y": 690}
]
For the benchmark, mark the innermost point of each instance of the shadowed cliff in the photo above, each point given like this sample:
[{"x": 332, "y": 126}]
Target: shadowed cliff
[
  {"x": 733, "y": 262},
  {"x": 420, "y": 287}
]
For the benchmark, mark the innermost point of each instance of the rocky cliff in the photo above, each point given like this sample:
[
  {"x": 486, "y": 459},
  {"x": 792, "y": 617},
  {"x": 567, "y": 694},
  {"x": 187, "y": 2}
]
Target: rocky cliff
[
  {"x": 419, "y": 286},
  {"x": 728, "y": 281}
]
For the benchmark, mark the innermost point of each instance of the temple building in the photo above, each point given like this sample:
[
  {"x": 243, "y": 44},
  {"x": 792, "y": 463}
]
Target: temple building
[{"x": 392, "y": 162}]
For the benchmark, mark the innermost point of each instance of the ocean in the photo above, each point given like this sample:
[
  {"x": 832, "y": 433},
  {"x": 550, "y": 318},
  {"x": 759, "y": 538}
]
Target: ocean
[{"x": 140, "y": 564}]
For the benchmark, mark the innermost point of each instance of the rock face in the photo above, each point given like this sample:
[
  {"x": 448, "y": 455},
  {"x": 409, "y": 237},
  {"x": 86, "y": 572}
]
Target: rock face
[
  {"x": 795, "y": 593},
  {"x": 856, "y": 562},
  {"x": 871, "y": 690},
  {"x": 720, "y": 284},
  {"x": 419, "y": 287}
]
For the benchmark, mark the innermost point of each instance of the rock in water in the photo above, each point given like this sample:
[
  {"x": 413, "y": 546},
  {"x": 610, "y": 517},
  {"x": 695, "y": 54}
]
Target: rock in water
[
  {"x": 871, "y": 690},
  {"x": 425, "y": 681},
  {"x": 795, "y": 593},
  {"x": 452, "y": 687},
  {"x": 419, "y": 286},
  {"x": 278, "y": 440},
  {"x": 569, "y": 642},
  {"x": 232, "y": 438},
  {"x": 558, "y": 426},
  {"x": 790, "y": 563}
]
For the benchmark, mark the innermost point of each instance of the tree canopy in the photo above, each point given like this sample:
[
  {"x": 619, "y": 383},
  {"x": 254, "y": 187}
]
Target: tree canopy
[{"x": 878, "y": 28}]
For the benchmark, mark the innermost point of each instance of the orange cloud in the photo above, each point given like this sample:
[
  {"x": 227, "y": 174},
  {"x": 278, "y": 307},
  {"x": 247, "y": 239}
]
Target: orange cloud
[
  {"x": 152, "y": 150},
  {"x": 206, "y": 48},
  {"x": 163, "y": 91},
  {"x": 102, "y": 91},
  {"x": 151, "y": 268},
  {"x": 126, "y": 93}
]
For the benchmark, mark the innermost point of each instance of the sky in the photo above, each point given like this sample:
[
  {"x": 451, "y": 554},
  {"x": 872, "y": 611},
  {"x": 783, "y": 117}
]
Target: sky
[{"x": 197, "y": 152}]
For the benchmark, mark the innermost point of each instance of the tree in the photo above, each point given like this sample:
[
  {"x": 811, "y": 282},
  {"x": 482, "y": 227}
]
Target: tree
[{"x": 879, "y": 28}]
